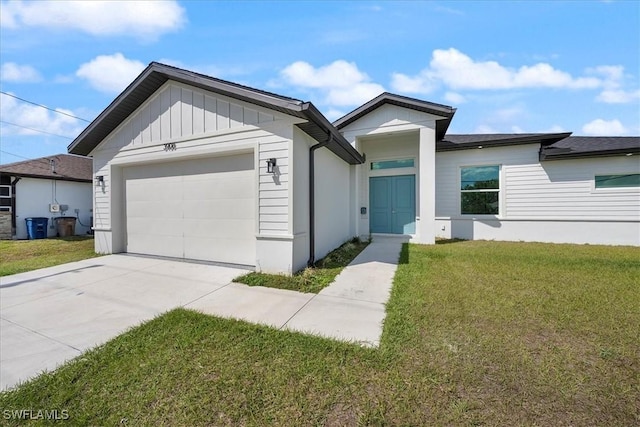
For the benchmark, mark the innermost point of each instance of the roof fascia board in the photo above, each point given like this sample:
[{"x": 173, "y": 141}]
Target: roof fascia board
[
  {"x": 543, "y": 140},
  {"x": 545, "y": 155},
  {"x": 54, "y": 178}
]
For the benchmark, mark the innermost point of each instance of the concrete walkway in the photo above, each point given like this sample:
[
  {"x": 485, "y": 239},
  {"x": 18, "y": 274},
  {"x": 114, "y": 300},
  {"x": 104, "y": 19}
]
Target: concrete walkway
[
  {"x": 351, "y": 309},
  {"x": 54, "y": 314}
]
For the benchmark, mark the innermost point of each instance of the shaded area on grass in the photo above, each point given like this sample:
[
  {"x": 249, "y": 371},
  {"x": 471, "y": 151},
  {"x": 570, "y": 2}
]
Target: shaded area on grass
[
  {"x": 477, "y": 333},
  {"x": 311, "y": 280},
  {"x": 18, "y": 256}
]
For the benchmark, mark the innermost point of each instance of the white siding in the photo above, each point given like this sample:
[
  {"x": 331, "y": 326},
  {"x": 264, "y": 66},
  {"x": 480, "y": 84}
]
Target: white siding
[
  {"x": 201, "y": 124},
  {"x": 33, "y": 197},
  {"x": 558, "y": 189},
  {"x": 565, "y": 188},
  {"x": 333, "y": 197}
]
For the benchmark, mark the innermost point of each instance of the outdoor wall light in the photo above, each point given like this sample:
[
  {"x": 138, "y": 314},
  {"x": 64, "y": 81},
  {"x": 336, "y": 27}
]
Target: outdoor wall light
[
  {"x": 99, "y": 179},
  {"x": 271, "y": 165}
]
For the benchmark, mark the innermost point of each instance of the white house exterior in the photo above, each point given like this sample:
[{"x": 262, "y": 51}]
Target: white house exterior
[
  {"x": 30, "y": 188},
  {"x": 193, "y": 167}
]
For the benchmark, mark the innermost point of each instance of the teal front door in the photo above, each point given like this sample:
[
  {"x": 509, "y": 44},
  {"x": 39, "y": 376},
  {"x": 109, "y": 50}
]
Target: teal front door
[{"x": 392, "y": 204}]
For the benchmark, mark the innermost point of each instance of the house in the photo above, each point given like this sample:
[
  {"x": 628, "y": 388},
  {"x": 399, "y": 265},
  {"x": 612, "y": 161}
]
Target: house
[
  {"x": 194, "y": 167},
  {"x": 48, "y": 187}
]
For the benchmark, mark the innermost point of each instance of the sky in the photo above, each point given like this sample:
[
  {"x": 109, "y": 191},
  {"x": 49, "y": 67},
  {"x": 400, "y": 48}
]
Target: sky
[{"x": 508, "y": 67}]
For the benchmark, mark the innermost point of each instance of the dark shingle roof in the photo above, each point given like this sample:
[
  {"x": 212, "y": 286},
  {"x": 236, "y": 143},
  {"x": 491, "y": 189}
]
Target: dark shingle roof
[
  {"x": 444, "y": 111},
  {"x": 591, "y": 146},
  {"x": 65, "y": 167},
  {"x": 468, "y": 141},
  {"x": 156, "y": 74}
]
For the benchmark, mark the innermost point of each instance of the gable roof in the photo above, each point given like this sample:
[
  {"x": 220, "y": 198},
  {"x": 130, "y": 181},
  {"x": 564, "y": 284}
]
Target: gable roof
[
  {"x": 156, "y": 74},
  {"x": 444, "y": 111},
  {"x": 65, "y": 167},
  {"x": 591, "y": 146}
]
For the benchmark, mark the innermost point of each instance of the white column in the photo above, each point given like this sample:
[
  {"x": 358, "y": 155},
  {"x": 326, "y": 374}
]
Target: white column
[{"x": 426, "y": 225}]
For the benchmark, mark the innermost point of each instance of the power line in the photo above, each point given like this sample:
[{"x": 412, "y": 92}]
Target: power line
[
  {"x": 43, "y": 106},
  {"x": 35, "y": 130}
]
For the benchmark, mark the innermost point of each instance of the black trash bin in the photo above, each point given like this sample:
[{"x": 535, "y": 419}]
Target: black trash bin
[{"x": 37, "y": 227}]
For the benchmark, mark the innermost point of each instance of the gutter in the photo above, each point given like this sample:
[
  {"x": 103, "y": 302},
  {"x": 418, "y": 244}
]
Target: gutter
[{"x": 312, "y": 200}]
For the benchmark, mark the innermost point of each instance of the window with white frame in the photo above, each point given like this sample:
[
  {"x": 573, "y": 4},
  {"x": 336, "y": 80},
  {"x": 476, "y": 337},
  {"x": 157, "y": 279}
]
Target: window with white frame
[
  {"x": 5, "y": 198},
  {"x": 480, "y": 190}
]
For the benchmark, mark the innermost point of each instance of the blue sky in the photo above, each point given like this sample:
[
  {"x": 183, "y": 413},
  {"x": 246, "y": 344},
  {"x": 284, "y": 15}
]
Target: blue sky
[{"x": 508, "y": 67}]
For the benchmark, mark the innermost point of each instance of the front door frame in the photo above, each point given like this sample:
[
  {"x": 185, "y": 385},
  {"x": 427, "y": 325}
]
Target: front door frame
[{"x": 392, "y": 177}]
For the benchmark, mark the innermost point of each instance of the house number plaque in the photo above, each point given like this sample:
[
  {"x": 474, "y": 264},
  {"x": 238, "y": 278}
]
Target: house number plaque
[{"x": 171, "y": 146}]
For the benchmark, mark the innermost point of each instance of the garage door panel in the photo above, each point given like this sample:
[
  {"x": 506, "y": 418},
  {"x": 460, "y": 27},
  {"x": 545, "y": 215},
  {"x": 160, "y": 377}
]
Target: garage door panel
[
  {"x": 220, "y": 209},
  {"x": 161, "y": 245},
  {"x": 199, "y": 209},
  {"x": 235, "y": 251},
  {"x": 224, "y": 228},
  {"x": 154, "y": 209}
]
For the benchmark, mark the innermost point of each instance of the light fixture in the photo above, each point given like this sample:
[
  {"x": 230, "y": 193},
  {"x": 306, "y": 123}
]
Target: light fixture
[
  {"x": 99, "y": 180},
  {"x": 271, "y": 165}
]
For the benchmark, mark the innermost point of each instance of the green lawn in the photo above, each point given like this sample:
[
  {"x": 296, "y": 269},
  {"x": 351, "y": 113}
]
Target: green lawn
[
  {"x": 310, "y": 279},
  {"x": 477, "y": 333},
  {"x": 17, "y": 256}
]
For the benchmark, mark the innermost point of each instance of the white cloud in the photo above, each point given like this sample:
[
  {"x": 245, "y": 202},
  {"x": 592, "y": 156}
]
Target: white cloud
[
  {"x": 417, "y": 84},
  {"x": 334, "y": 114},
  {"x": 485, "y": 129},
  {"x": 16, "y": 73},
  {"x": 455, "y": 98},
  {"x": 110, "y": 73},
  {"x": 618, "y": 96},
  {"x": 457, "y": 70},
  {"x": 341, "y": 82},
  {"x": 31, "y": 116},
  {"x": 144, "y": 19},
  {"x": 604, "y": 127}
]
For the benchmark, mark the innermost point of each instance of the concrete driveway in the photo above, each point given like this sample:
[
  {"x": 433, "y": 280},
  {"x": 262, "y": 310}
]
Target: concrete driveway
[
  {"x": 51, "y": 315},
  {"x": 54, "y": 314}
]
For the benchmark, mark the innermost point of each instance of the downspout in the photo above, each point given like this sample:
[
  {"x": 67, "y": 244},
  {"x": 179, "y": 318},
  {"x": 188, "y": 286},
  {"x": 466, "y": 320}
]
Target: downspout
[{"x": 312, "y": 201}]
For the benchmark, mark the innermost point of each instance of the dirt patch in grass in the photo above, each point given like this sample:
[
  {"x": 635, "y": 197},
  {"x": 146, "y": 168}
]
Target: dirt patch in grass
[{"x": 311, "y": 279}]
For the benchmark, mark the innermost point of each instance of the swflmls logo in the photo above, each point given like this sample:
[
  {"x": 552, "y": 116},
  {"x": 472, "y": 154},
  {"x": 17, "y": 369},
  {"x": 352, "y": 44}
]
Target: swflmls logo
[{"x": 30, "y": 414}]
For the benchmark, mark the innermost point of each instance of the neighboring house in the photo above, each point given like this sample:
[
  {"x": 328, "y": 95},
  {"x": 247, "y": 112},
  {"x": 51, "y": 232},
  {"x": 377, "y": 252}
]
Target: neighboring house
[
  {"x": 35, "y": 188},
  {"x": 194, "y": 167}
]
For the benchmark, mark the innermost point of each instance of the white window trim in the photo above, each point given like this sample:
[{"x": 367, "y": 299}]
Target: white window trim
[
  {"x": 5, "y": 208},
  {"x": 10, "y": 192},
  {"x": 500, "y": 191}
]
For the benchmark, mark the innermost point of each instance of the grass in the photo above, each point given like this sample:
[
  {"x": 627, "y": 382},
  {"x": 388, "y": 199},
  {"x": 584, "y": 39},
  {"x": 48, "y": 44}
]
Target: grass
[
  {"x": 477, "y": 333},
  {"x": 18, "y": 256},
  {"x": 311, "y": 280}
]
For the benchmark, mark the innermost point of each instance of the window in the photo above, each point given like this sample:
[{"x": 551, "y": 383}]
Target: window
[
  {"x": 616, "y": 181},
  {"x": 5, "y": 191},
  {"x": 392, "y": 164},
  {"x": 480, "y": 190},
  {"x": 5, "y": 208}
]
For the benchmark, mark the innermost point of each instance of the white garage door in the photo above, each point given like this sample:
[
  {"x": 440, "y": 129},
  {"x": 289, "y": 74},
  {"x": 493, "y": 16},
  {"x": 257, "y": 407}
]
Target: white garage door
[{"x": 196, "y": 209}]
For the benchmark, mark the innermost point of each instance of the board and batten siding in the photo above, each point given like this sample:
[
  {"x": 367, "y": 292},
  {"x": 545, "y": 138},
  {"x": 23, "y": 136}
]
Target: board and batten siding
[
  {"x": 201, "y": 124},
  {"x": 558, "y": 189}
]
